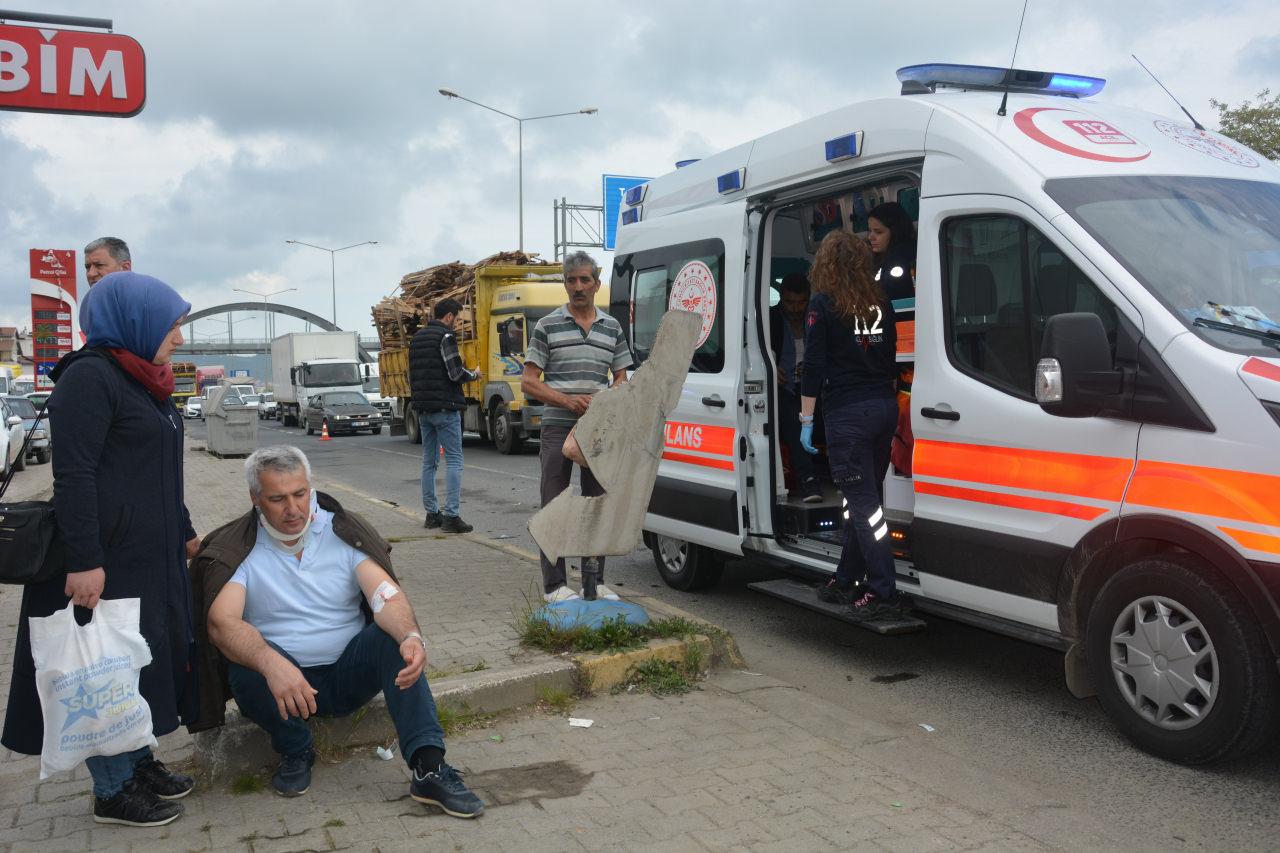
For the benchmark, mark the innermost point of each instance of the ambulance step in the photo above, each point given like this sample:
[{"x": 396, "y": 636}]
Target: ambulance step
[{"x": 805, "y": 595}]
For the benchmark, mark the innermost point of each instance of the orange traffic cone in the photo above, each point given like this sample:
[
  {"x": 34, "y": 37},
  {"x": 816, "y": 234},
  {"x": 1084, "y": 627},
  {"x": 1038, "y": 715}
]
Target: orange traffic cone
[{"x": 324, "y": 431}]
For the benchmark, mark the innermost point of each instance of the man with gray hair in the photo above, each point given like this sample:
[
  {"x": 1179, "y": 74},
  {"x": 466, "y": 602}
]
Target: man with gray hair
[
  {"x": 573, "y": 353},
  {"x": 104, "y": 256},
  {"x": 303, "y": 604}
]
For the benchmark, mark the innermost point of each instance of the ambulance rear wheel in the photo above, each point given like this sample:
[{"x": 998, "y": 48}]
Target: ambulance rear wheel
[
  {"x": 1179, "y": 663},
  {"x": 685, "y": 566}
]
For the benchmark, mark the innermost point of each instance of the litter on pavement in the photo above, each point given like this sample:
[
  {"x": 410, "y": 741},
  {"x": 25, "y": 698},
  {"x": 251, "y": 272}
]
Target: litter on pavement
[
  {"x": 579, "y": 723},
  {"x": 384, "y": 753},
  {"x": 927, "y": 727}
]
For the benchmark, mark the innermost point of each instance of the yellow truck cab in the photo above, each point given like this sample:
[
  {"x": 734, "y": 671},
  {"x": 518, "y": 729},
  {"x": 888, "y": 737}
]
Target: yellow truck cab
[
  {"x": 499, "y": 312},
  {"x": 1093, "y": 346}
]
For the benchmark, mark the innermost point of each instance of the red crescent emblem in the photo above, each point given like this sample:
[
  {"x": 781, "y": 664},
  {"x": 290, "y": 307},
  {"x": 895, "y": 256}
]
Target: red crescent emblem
[{"x": 1024, "y": 121}]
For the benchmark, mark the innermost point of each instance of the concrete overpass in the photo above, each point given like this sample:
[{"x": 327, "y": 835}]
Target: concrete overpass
[{"x": 368, "y": 346}]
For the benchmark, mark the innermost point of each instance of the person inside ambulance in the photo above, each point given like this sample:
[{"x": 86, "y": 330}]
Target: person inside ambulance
[
  {"x": 786, "y": 339},
  {"x": 893, "y": 246},
  {"x": 850, "y": 359}
]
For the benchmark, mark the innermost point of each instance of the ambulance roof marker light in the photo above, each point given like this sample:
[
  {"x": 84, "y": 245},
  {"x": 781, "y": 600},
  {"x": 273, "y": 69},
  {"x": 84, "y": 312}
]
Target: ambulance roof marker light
[
  {"x": 923, "y": 79},
  {"x": 635, "y": 194},
  {"x": 631, "y": 216},
  {"x": 843, "y": 147},
  {"x": 731, "y": 182}
]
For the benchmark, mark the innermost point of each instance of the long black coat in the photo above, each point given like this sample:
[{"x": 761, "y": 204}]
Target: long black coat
[{"x": 117, "y": 495}]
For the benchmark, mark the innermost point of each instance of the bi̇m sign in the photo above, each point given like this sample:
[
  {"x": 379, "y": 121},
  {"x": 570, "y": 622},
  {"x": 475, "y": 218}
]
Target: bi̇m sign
[{"x": 71, "y": 71}]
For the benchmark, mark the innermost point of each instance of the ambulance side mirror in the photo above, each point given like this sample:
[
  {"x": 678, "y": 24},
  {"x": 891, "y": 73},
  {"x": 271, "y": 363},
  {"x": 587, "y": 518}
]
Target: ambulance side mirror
[{"x": 1075, "y": 377}]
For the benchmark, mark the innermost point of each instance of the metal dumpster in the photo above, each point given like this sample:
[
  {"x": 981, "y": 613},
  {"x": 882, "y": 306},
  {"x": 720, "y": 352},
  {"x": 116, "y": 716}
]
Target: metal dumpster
[{"x": 233, "y": 426}]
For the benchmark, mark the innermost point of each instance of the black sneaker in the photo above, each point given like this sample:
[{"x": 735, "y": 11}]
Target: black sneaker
[
  {"x": 834, "y": 593},
  {"x": 811, "y": 490},
  {"x": 135, "y": 806},
  {"x": 869, "y": 608},
  {"x": 454, "y": 524},
  {"x": 443, "y": 787},
  {"x": 293, "y": 776},
  {"x": 432, "y": 520},
  {"x": 156, "y": 778}
]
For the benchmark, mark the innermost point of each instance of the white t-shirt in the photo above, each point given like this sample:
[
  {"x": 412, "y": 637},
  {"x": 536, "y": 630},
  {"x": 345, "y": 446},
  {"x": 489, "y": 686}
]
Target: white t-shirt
[{"x": 309, "y": 607}]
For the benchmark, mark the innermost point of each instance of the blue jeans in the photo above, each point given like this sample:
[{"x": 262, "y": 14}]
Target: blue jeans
[
  {"x": 368, "y": 664},
  {"x": 441, "y": 429},
  {"x": 859, "y": 437},
  {"x": 110, "y": 772}
]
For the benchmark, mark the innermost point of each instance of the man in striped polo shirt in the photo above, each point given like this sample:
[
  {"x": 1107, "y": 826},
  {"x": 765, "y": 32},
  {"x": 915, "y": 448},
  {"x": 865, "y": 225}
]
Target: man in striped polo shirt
[{"x": 572, "y": 353}]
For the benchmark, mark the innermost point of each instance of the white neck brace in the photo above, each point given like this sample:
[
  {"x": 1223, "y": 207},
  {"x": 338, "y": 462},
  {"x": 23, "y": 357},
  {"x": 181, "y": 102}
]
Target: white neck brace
[{"x": 281, "y": 538}]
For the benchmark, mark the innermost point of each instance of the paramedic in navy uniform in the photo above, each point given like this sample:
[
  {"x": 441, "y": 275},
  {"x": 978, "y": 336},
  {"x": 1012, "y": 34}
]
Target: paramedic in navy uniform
[
  {"x": 893, "y": 245},
  {"x": 850, "y": 359}
]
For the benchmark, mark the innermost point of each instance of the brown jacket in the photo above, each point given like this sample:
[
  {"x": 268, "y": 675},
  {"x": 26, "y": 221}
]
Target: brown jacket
[{"x": 220, "y": 554}]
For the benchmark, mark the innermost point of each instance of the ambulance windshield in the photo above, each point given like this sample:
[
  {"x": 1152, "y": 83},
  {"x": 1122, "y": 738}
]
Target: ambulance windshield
[{"x": 1208, "y": 248}]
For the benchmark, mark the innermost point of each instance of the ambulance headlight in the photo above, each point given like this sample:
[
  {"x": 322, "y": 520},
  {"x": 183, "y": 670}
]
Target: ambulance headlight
[{"x": 1048, "y": 381}]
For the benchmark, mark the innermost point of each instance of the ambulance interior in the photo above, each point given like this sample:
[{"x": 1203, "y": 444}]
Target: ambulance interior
[{"x": 795, "y": 233}]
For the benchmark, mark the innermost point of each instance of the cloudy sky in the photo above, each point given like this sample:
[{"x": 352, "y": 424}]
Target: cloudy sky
[{"x": 320, "y": 121}]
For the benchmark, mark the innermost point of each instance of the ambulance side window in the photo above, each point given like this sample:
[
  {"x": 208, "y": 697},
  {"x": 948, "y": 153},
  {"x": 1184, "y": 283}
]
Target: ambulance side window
[
  {"x": 689, "y": 276},
  {"x": 1004, "y": 280}
]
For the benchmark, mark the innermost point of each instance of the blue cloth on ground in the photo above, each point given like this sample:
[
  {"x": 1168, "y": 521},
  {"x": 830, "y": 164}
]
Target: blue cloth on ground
[{"x": 590, "y": 614}]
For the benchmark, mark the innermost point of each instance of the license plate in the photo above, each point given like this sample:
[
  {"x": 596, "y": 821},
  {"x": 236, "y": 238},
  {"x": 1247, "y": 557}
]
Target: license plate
[{"x": 359, "y": 423}]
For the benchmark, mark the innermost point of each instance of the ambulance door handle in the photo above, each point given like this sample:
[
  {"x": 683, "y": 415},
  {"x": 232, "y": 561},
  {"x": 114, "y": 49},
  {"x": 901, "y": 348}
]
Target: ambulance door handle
[
  {"x": 940, "y": 414},
  {"x": 714, "y": 400}
]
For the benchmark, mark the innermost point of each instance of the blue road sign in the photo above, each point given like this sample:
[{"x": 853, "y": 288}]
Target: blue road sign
[{"x": 615, "y": 186}]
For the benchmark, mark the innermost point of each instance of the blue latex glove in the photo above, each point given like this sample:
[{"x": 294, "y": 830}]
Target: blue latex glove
[{"x": 806, "y": 438}]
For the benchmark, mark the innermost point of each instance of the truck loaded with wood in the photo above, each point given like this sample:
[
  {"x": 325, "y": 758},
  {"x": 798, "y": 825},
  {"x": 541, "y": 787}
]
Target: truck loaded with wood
[{"x": 503, "y": 297}]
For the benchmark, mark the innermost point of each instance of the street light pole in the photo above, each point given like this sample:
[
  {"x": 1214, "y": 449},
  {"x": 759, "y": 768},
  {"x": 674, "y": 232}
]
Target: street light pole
[
  {"x": 267, "y": 316},
  {"x": 333, "y": 279},
  {"x": 449, "y": 93}
]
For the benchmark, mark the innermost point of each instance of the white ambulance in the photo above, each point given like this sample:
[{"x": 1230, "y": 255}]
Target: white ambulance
[{"x": 1096, "y": 392}]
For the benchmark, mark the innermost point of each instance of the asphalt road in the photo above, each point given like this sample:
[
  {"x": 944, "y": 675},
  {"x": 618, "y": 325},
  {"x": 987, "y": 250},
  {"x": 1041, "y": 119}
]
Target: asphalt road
[{"x": 998, "y": 705}]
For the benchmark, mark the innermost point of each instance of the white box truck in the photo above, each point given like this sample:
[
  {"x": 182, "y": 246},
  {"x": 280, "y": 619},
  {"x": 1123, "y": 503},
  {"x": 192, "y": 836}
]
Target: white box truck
[{"x": 304, "y": 364}]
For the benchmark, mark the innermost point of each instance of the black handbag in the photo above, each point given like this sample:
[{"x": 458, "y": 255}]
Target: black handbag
[{"x": 30, "y": 551}]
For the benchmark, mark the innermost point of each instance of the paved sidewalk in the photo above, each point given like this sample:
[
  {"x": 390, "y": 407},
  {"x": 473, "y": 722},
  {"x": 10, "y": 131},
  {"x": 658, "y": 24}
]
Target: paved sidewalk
[{"x": 745, "y": 762}]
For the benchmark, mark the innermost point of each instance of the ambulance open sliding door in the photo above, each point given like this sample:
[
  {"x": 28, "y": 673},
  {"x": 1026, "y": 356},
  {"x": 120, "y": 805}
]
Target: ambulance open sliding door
[
  {"x": 1004, "y": 490},
  {"x": 693, "y": 261}
]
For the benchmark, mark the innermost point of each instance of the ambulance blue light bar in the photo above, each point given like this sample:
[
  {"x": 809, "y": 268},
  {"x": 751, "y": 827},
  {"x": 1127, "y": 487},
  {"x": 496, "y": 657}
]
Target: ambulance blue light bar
[
  {"x": 631, "y": 216},
  {"x": 917, "y": 78},
  {"x": 844, "y": 147},
  {"x": 731, "y": 182},
  {"x": 635, "y": 195}
]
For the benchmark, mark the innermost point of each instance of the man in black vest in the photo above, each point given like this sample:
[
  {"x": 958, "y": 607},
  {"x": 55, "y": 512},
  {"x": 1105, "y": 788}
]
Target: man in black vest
[{"x": 436, "y": 374}]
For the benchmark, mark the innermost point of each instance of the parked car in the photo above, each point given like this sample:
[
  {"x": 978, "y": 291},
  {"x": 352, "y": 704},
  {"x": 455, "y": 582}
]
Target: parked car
[
  {"x": 40, "y": 447},
  {"x": 11, "y": 434},
  {"x": 266, "y": 405},
  {"x": 342, "y": 411},
  {"x": 194, "y": 408},
  {"x": 38, "y": 398},
  {"x": 251, "y": 400}
]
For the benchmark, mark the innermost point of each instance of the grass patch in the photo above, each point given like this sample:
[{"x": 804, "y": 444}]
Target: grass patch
[
  {"x": 554, "y": 701},
  {"x": 247, "y": 783},
  {"x": 448, "y": 671},
  {"x": 613, "y": 635},
  {"x": 335, "y": 821},
  {"x": 455, "y": 720},
  {"x": 659, "y": 677}
]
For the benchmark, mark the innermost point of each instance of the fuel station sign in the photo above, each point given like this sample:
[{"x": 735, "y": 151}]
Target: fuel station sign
[
  {"x": 71, "y": 71},
  {"x": 55, "y": 328}
]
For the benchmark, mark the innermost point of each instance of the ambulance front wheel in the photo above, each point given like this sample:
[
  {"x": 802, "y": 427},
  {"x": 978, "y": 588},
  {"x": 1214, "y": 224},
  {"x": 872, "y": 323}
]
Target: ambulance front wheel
[
  {"x": 685, "y": 566},
  {"x": 1179, "y": 663}
]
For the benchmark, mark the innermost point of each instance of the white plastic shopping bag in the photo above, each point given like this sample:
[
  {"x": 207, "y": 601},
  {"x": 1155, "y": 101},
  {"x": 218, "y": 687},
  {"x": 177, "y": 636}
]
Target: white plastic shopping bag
[{"x": 87, "y": 678}]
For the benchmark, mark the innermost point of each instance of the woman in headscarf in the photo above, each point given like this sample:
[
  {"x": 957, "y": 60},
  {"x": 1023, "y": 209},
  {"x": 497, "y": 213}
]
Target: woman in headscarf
[
  {"x": 850, "y": 360},
  {"x": 125, "y": 531}
]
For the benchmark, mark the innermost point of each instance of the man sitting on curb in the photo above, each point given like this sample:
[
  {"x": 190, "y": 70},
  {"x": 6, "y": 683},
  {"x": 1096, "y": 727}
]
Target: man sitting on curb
[{"x": 312, "y": 622}]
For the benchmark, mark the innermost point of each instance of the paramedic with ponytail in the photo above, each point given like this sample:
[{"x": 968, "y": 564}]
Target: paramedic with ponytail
[{"x": 849, "y": 358}]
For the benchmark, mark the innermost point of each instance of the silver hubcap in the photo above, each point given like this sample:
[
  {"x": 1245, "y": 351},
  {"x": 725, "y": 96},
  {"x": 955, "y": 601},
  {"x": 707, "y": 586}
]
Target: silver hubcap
[
  {"x": 1164, "y": 663},
  {"x": 675, "y": 553}
]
